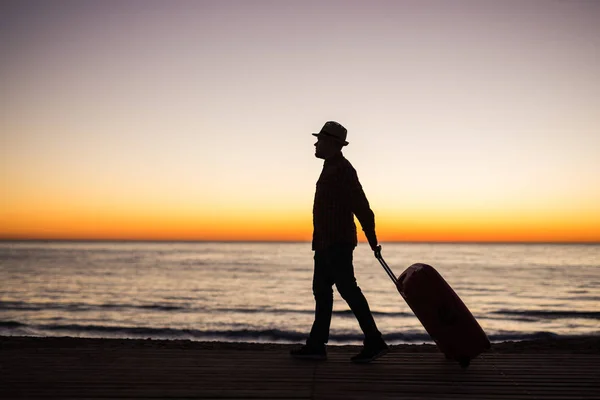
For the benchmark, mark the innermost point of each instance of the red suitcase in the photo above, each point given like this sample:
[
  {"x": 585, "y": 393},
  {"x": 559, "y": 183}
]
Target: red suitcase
[{"x": 443, "y": 314}]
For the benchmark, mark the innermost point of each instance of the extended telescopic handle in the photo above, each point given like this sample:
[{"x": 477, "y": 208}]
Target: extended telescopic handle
[{"x": 384, "y": 265}]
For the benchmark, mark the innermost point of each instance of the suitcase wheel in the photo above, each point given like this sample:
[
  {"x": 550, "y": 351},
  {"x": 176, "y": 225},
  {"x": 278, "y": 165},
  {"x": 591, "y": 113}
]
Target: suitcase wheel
[{"x": 464, "y": 362}]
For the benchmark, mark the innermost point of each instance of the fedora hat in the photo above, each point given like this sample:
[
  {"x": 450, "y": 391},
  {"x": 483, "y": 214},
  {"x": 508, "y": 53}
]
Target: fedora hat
[{"x": 333, "y": 130}]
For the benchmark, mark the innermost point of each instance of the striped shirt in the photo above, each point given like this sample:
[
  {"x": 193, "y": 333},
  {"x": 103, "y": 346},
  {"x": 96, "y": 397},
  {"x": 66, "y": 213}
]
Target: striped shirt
[{"x": 339, "y": 196}]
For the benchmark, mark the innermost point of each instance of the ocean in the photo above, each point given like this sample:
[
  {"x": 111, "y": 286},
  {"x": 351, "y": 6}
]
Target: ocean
[{"x": 261, "y": 292}]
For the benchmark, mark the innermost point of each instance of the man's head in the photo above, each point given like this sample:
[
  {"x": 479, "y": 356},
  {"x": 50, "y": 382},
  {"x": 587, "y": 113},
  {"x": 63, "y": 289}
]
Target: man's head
[{"x": 330, "y": 141}]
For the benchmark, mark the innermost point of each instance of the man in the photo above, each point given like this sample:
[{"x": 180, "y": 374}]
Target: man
[{"x": 339, "y": 196}]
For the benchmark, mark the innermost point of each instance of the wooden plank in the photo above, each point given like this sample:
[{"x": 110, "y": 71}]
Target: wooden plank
[{"x": 105, "y": 369}]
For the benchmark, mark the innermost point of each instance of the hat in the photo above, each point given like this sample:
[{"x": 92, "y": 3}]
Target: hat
[{"x": 333, "y": 130}]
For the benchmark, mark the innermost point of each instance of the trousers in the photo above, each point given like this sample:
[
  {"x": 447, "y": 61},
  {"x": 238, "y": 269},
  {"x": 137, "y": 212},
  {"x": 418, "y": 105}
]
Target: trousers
[{"x": 334, "y": 266}]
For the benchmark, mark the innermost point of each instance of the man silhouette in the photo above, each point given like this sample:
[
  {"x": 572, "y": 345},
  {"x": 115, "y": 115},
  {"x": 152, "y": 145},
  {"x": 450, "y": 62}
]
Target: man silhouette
[{"x": 339, "y": 196}]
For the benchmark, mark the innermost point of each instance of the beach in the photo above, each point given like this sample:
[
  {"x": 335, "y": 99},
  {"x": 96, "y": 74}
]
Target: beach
[
  {"x": 65, "y": 367},
  {"x": 217, "y": 320}
]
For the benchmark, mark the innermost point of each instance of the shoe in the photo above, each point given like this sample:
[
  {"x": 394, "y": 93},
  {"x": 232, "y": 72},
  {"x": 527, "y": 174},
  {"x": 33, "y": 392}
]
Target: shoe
[
  {"x": 370, "y": 352},
  {"x": 307, "y": 352}
]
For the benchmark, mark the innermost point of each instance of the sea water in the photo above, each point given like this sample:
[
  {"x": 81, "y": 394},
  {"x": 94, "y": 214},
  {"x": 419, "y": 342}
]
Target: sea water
[{"x": 261, "y": 292}]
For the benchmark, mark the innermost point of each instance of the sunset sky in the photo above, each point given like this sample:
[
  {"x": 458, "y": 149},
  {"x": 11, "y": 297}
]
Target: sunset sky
[{"x": 192, "y": 120}]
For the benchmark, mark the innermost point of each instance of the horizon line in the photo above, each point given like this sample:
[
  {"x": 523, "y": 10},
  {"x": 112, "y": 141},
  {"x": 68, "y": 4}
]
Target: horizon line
[{"x": 524, "y": 242}]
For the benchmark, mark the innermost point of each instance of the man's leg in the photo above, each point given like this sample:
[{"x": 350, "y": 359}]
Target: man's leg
[
  {"x": 345, "y": 282},
  {"x": 323, "y": 293}
]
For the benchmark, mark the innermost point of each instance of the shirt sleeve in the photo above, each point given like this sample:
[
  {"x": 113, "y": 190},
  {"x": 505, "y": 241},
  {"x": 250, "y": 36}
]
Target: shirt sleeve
[{"x": 360, "y": 206}]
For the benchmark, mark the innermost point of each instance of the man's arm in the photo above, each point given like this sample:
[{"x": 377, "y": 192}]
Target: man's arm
[{"x": 361, "y": 208}]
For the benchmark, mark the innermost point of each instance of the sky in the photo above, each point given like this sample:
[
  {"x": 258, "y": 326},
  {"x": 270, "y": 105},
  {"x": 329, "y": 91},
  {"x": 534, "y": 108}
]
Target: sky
[{"x": 192, "y": 120}]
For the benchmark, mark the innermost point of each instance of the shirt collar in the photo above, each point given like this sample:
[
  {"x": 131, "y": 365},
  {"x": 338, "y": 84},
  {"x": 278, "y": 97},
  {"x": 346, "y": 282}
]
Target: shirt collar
[{"x": 334, "y": 160}]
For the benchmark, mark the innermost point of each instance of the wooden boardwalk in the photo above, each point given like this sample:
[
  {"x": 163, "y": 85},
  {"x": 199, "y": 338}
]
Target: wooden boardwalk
[{"x": 88, "y": 370}]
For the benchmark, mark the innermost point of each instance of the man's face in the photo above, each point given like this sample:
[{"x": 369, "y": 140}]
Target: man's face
[{"x": 326, "y": 147}]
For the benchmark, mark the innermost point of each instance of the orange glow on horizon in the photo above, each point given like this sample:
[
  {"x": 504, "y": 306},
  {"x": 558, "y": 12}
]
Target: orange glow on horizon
[{"x": 292, "y": 226}]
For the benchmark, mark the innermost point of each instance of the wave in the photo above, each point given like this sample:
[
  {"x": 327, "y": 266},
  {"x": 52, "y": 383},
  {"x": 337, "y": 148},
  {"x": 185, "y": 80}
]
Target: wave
[
  {"x": 342, "y": 313},
  {"x": 74, "y": 307},
  {"x": 549, "y": 314},
  {"x": 238, "y": 335},
  {"x": 84, "y": 307},
  {"x": 523, "y": 315},
  {"x": 11, "y": 324}
]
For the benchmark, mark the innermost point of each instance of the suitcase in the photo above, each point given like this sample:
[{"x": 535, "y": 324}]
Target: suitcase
[{"x": 443, "y": 314}]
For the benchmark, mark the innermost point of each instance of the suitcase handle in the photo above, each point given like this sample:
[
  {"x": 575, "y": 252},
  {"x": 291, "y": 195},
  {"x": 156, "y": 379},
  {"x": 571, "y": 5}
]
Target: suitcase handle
[{"x": 385, "y": 266}]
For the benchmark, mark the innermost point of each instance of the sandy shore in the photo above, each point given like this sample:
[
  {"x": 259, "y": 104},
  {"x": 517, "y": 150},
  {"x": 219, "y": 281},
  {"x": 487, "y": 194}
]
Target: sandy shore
[{"x": 121, "y": 368}]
